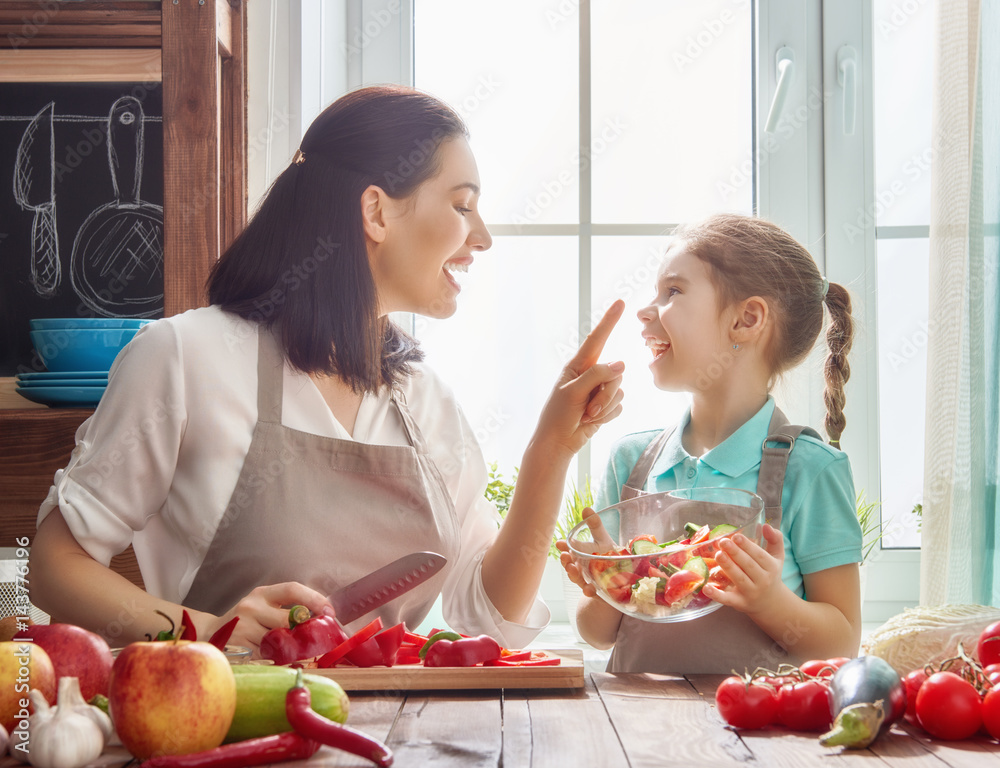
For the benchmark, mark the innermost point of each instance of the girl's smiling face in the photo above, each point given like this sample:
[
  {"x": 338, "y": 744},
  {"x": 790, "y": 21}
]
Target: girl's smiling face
[
  {"x": 683, "y": 326},
  {"x": 430, "y": 235}
]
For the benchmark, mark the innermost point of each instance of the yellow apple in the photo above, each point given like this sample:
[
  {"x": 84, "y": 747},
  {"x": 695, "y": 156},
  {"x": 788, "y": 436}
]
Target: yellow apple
[
  {"x": 23, "y": 666},
  {"x": 171, "y": 697}
]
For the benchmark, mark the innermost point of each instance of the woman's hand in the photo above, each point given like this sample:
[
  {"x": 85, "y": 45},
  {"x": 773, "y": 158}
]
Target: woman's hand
[
  {"x": 586, "y": 395},
  {"x": 755, "y": 572},
  {"x": 266, "y": 608}
]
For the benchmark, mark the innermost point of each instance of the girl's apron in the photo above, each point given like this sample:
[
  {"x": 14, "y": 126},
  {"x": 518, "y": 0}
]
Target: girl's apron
[
  {"x": 324, "y": 511},
  {"x": 724, "y": 639}
]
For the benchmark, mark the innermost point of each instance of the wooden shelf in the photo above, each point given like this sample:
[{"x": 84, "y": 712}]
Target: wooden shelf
[{"x": 199, "y": 49}]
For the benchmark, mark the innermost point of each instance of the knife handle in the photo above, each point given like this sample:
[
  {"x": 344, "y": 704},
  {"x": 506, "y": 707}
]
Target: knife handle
[{"x": 46, "y": 269}]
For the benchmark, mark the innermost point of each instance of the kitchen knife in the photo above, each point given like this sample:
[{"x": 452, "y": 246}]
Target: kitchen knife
[
  {"x": 385, "y": 584},
  {"x": 34, "y": 190}
]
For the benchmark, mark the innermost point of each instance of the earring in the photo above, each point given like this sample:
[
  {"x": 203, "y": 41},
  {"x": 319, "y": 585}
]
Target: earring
[{"x": 736, "y": 346}]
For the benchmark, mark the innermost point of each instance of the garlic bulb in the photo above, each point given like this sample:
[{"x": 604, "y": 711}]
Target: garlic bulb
[{"x": 63, "y": 736}]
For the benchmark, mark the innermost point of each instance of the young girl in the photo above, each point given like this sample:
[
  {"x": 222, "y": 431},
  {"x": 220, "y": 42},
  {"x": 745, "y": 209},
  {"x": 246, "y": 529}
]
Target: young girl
[{"x": 739, "y": 302}]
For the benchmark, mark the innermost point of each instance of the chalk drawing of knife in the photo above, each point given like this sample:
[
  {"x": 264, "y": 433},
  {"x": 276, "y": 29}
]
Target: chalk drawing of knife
[{"x": 34, "y": 190}]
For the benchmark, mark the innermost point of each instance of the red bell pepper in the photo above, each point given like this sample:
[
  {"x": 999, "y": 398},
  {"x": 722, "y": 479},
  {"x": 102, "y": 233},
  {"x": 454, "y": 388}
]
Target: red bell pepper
[
  {"x": 303, "y": 639},
  {"x": 412, "y": 638},
  {"x": 389, "y": 642},
  {"x": 535, "y": 660},
  {"x": 368, "y": 654},
  {"x": 349, "y": 644},
  {"x": 466, "y": 652}
]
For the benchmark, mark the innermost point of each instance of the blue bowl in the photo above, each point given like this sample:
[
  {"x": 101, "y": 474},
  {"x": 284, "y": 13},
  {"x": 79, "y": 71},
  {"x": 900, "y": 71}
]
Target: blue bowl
[
  {"x": 59, "y": 323},
  {"x": 81, "y": 349}
]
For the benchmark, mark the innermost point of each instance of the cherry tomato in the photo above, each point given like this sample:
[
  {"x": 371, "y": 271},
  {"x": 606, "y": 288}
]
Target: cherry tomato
[
  {"x": 991, "y": 711},
  {"x": 949, "y": 707},
  {"x": 988, "y": 647},
  {"x": 992, "y": 673},
  {"x": 817, "y": 667},
  {"x": 805, "y": 706},
  {"x": 746, "y": 706},
  {"x": 912, "y": 682},
  {"x": 837, "y": 661}
]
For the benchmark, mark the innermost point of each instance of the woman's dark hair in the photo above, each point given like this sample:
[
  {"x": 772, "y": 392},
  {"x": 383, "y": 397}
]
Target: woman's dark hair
[
  {"x": 747, "y": 257},
  {"x": 301, "y": 265}
]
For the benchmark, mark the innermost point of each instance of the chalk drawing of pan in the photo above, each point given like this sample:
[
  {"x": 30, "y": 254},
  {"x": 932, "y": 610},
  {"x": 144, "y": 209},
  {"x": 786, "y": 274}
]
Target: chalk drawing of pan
[
  {"x": 117, "y": 262},
  {"x": 34, "y": 190}
]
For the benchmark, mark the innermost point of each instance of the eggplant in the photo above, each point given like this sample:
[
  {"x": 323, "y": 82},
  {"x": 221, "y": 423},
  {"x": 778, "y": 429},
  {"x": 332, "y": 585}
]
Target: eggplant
[{"x": 868, "y": 697}]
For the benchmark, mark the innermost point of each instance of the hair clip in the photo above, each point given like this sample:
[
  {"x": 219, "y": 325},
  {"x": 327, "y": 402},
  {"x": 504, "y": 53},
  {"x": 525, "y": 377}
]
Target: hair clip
[
  {"x": 826, "y": 287},
  {"x": 299, "y": 158}
]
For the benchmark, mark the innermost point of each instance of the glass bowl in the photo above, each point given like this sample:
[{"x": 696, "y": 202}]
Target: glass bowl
[
  {"x": 650, "y": 556},
  {"x": 238, "y": 654}
]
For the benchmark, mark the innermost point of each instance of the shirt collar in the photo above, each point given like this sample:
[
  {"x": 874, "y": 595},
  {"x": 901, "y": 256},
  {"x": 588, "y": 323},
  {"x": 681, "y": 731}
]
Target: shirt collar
[{"x": 734, "y": 456}]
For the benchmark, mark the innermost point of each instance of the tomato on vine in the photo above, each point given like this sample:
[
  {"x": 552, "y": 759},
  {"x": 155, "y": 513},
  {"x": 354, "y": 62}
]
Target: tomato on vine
[
  {"x": 744, "y": 704},
  {"x": 949, "y": 707}
]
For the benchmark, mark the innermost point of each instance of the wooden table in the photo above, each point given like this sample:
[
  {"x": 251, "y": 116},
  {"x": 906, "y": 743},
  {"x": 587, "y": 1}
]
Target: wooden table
[{"x": 616, "y": 720}]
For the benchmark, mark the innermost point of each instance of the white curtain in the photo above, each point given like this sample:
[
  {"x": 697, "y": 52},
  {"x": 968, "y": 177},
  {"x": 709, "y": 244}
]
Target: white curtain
[{"x": 960, "y": 464}]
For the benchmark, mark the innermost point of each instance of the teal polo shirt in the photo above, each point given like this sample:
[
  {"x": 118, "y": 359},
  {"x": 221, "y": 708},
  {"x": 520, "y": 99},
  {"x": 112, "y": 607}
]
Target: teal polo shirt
[{"x": 818, "y": 518}]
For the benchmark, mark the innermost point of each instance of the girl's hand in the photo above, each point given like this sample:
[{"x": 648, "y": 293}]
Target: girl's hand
[
  {"x": 755, "y": 572},
  {"x": 586, "y": 395},
  {"x": 266, "y": 608},
  {"x": 603, "y": 542}
]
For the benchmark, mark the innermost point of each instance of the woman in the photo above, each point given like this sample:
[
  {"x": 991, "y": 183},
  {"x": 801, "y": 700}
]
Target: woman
[{"x": 286, "y": 440}]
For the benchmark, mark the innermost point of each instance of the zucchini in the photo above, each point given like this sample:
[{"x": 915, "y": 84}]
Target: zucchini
[
  {"x": 260, "y": 700},
  {"x": 868, "y": 697}
]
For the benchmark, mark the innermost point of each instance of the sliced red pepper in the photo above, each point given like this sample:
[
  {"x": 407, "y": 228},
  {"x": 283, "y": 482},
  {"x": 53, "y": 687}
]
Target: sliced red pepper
[
  {"x": 348, "y": 645},
  {"x": 408, "y": 655},
  {"x": 221, "y": 636},
  {"x": 506, "y": 655},
  {"x": 549, "y": 662},
  {"x": 188, "y": 631},
  {"x": 412, "y": 638},
  {"x": 466, "y": 652},
  {"x": 389, "y": 642},
  {"x": 368, "y": 654}
]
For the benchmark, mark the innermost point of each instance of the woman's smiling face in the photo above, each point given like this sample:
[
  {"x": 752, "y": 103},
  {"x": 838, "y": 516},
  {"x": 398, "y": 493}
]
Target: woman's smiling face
[
  {"x": 682, "y": 326},
  {"x": 430, "y": 235}
]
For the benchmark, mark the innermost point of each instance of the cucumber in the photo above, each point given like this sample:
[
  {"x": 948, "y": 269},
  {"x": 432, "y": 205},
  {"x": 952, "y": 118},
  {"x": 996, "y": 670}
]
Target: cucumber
[
  {"x": 698, "y": 567},
  {"x": 260, "y": 700},
  {"x": 690, "y": 529},
  {"x": 868, "y": 697},
  {"x": 723, "y": 529},
  {"x": 645, "y": 547}
]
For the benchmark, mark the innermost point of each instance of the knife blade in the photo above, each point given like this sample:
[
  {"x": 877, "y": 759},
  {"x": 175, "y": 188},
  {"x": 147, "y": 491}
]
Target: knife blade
[{"x": 385, "y": 584}]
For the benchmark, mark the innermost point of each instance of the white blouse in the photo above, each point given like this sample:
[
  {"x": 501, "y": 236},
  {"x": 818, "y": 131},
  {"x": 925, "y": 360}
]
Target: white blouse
[{"x": 156, "y": 464}]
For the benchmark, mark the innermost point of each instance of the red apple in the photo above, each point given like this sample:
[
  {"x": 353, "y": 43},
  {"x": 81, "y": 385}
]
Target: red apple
[
  {"x": 23, "y": 666},
  {"x": 75, "y": 652},
  {"x": 171, "y": 697}
]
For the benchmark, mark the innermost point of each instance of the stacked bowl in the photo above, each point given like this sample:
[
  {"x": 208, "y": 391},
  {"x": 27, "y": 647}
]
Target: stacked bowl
[{"x": 78, "y": 353}]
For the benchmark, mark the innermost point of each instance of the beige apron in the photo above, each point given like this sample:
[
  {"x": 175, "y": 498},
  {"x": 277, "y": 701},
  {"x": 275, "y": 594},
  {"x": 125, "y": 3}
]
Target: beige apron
[
  {"x": 325, "y": 512},
  {"x": 724, "y": 639}
]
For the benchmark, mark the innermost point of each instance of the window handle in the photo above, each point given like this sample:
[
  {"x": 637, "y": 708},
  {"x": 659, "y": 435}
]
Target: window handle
[
  {"x": 847, "y": 77},
  {"x": 785, "y": 74}
]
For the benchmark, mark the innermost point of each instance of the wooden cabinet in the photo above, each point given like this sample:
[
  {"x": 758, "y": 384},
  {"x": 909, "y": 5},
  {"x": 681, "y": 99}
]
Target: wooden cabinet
[{"x": 196, "y": 48}]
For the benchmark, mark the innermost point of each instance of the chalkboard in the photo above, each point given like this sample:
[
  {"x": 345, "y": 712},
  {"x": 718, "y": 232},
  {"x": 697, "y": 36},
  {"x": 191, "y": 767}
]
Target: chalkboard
[{"x": 81, "y": 207}]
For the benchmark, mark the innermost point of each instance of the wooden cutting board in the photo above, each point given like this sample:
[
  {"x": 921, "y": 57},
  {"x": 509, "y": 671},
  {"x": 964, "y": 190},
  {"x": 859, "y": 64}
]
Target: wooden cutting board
[{"x": 415, "y": 677}]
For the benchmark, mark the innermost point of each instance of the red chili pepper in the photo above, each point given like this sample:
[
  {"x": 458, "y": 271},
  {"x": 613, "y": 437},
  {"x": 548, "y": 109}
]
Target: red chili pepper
[
  {"x": 260, "y": 751},
  {"x": 303, "y": 639},
  {"x": 466, "y": 652},
  {"x": 349, "y": 644},
  {"x": 221, "y": 636},
  {"x": 188, "y": 631},
  {"x": 312, "y": 725}
]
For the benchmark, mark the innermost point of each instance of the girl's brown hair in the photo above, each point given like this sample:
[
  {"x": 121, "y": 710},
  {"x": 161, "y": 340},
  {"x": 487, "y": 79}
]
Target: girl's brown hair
[
  {"x": 752, "y": 257},
  {"x": 301, "y": 265}
]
